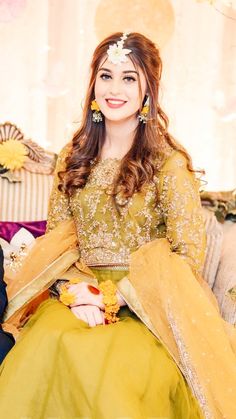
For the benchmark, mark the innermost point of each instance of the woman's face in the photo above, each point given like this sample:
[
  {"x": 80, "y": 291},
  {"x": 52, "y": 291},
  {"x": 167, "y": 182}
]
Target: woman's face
[{"x": 117, "y": 90}]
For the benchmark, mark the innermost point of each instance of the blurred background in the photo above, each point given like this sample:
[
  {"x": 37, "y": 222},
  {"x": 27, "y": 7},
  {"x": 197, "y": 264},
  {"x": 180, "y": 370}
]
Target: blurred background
[{"x": 46, "y": 47}]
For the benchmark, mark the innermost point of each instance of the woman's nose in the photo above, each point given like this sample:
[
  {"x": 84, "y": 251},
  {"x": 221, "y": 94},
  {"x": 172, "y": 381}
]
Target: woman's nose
[{"x": 115, "y": 87}]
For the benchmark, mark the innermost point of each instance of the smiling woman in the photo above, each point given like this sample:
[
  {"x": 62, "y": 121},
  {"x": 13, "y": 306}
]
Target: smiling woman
[
  {"x": 117, "y": 86},
  {"x": 134, "y": 333},
  {"x": 133, "y": 80}
]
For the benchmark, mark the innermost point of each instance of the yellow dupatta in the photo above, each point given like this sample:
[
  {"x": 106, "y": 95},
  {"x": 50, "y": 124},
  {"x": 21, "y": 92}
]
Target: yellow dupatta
[{"x": 163, "y": 291}]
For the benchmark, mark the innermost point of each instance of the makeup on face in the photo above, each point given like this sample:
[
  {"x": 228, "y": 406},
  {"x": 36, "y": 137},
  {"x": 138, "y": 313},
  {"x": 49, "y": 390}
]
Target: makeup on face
[{"x": 117, "y": 90}]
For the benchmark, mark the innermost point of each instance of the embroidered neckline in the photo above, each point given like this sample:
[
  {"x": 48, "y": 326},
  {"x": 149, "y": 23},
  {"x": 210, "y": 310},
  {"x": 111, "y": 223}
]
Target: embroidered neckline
[{"x": 107, "y": 159}]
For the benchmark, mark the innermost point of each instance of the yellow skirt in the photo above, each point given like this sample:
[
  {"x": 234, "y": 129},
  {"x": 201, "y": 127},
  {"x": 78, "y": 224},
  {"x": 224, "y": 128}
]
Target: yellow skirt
[{"x": 62, "y": 369}]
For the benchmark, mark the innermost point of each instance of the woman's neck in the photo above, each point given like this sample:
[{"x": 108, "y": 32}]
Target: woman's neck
[{"x": 119, "y": 138}]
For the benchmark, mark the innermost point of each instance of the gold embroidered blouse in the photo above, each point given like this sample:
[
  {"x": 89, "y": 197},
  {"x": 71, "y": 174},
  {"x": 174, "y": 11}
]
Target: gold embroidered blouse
[{"x": 107, "y": 238}]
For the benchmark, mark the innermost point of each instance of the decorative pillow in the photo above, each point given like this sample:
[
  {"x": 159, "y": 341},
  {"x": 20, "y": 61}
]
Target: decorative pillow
[
  {"x": 9, "y": 229},
  {"x": 226, "y": 274},
  {"x": 214, "y": 233},
  {"x": 26, "y": 200},
  {"x": 26, "y": 175},
  {"x": 14, "y": 237}
]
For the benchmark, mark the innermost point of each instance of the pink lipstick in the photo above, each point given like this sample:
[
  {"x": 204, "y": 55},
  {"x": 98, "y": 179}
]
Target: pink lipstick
[{"x": 115, "y": 103}]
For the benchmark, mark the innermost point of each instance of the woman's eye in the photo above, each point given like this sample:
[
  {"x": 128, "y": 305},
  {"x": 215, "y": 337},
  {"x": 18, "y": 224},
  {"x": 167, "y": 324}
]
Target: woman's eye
[
  {"x": 105, "y": 76},
  {"x": 129, "y": 79}
]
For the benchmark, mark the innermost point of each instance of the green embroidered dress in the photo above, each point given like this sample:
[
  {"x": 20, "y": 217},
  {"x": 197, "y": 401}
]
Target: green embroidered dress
[{"x": 63, "y": 369}]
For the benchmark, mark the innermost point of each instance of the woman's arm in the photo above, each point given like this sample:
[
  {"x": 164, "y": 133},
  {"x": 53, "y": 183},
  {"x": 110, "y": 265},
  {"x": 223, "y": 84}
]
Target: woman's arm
[
  {"x": 181, "y": 206},
  {"x": 59, "y": 206}
]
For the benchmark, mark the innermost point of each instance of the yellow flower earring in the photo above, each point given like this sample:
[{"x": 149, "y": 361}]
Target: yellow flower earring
[
  {"x": 143, "y": 116},
  {"x": 97, "y": 115}
]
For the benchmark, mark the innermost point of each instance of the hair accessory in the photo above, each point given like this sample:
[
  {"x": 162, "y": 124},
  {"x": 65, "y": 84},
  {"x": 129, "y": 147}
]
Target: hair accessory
[
  {"x": 116, "y": 52},
  {"x": 97, "y": 115},
  {"x": 110, "y": 301},
  {"x": 143, "y": 116}
]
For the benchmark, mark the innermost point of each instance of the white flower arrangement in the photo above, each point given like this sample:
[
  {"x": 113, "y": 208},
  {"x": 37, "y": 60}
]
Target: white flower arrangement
[{"x": 116, "y": 52}]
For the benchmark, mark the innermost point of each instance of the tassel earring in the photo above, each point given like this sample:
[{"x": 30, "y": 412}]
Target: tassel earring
[
  {"x": 97, "y": 115},
  {"x": 143, "y": 116}
]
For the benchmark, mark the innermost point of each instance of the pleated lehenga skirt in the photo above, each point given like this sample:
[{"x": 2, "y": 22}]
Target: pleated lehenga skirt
[{"x": 63, "y": 369}]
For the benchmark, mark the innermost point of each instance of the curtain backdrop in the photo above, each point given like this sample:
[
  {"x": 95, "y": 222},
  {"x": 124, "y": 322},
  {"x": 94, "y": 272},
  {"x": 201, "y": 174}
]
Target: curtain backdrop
[{"x": 46, "y": 47}]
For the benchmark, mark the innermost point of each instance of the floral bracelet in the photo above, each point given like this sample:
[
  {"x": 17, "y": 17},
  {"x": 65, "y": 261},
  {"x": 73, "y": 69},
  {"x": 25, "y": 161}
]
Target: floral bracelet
[
  {"x": 110, "y": 300},
  {"x": 66, "y": 297}
]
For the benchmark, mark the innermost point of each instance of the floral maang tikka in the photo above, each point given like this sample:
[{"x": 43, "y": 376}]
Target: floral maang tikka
[{"x": 117, "y": 53}]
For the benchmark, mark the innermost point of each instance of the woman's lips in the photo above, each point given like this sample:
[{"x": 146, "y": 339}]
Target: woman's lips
[{"x": 115, "y": 103}]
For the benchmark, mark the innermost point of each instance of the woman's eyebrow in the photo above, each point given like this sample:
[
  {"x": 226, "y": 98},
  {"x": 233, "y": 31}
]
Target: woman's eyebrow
[
  {"x": 125, "y": 72},
  {"x": 130, "y": 71},
  {"x": 104, "y": 69}
]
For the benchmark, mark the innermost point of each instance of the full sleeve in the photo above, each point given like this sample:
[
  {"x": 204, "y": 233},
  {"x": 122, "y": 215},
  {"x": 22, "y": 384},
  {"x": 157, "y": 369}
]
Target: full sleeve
[
  {"x": 59, "y": 205},
  {"x": 181, "y": 207}
]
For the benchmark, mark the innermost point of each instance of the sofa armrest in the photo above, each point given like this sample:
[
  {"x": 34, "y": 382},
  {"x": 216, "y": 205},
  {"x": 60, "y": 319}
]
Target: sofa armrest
[
  {"x": 226, "y": 273},
  {"x": 214, "y": 232}
]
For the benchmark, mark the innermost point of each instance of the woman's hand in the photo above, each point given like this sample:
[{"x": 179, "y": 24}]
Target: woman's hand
[
  {"x": 90, "y": 295},
  {"x": 90, "y": 314},
  {"x": 86, "y": 294}
]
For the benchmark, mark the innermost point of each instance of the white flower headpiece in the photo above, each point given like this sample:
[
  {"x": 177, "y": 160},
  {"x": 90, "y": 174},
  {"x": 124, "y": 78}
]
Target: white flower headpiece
[{"x": 116, "y": 52}]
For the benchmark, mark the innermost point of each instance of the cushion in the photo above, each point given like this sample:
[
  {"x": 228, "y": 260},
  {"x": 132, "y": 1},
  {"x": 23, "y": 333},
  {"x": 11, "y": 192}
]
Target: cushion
[
  {"x": 27, "y": 200},
  {"x": 226, "y": 274},
  {"x": 15, "y": 235},
  {"x": 9, "y": 229}
]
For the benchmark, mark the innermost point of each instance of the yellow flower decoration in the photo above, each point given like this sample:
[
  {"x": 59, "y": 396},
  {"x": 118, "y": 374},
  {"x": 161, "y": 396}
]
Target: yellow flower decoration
[
  {"x": 145, "y": 110},
  {"x": 12, "y": 154},
  {"x": 110, "y": 301},
  {"x": 66, "y": 297},
  {"x": 94, "y": 106}
]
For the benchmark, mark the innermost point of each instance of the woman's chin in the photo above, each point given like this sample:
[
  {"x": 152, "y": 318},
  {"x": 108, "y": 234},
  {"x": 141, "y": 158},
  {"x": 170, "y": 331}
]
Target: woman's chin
[{"x": 119, "y": 117}]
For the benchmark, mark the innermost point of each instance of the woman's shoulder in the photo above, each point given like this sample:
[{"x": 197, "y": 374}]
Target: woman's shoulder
[
  {"x": 61, "y": 159},
  {"x": 174, "y": 160},
  {"x": 65, "y": 151}
]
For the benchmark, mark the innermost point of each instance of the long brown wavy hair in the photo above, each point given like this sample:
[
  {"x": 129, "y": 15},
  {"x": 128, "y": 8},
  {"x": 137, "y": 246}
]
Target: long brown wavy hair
[{"x": 151, "y": 140}]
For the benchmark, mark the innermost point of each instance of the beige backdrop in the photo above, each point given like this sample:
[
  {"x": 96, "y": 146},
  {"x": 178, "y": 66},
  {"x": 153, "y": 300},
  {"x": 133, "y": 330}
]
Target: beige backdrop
[{"x": 46, "y": 47}]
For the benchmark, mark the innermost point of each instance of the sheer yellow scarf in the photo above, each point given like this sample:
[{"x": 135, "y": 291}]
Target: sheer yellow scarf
[{"x": 161, "y": 288}]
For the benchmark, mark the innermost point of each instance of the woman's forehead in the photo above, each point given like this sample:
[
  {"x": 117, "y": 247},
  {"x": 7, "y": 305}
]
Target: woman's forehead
[{"x": 121, "y": 68}]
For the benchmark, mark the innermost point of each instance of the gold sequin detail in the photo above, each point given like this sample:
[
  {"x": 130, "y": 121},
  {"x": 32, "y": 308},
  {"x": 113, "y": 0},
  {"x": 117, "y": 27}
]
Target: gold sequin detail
[
  {"x": 59, "y": 205},
  {"x": 107, "y": 237}
]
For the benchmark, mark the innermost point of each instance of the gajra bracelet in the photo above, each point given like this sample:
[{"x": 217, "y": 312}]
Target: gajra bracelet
[{"x": 110, "y": 301}]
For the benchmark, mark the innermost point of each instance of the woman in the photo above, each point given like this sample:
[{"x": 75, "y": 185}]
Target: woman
[{"x": 124, "y": 211}]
